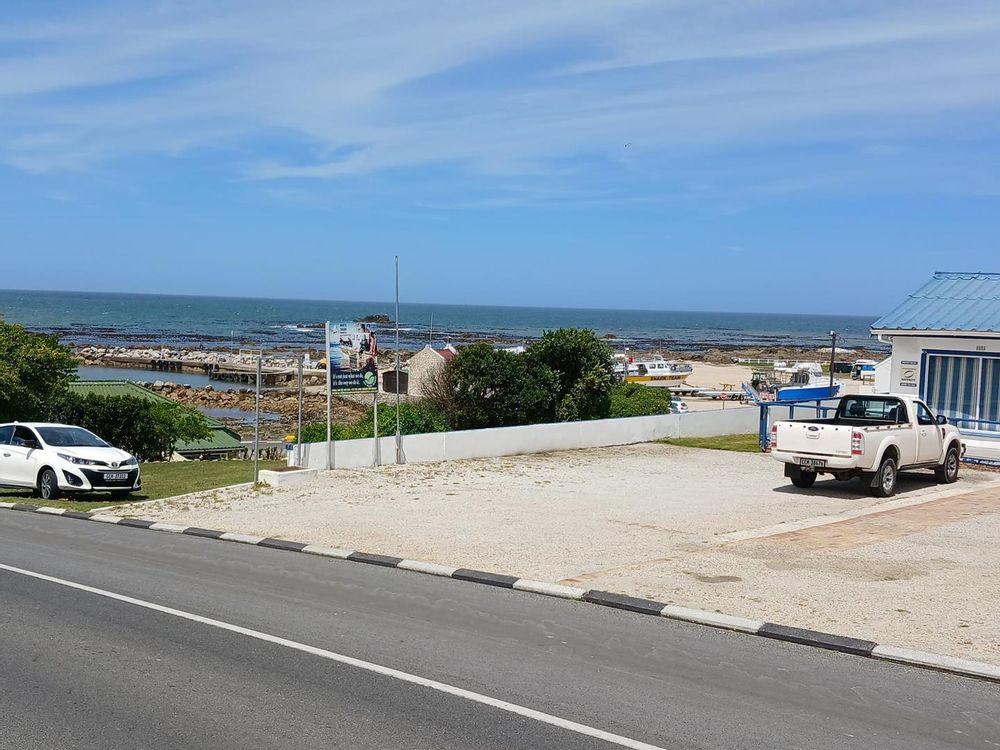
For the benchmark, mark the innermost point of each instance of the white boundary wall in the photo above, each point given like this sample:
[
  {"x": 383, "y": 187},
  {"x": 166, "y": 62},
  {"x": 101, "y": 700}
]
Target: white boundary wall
[{"x": 539, "y": 438}]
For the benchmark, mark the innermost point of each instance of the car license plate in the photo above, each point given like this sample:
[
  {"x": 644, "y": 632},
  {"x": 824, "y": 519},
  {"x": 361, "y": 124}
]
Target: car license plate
[
  {"x": 812, "y": 462},
  {"x": 116, "y": 476}
]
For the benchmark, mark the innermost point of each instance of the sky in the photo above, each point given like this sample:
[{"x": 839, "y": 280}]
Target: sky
[{"x": 738, "y": 155}]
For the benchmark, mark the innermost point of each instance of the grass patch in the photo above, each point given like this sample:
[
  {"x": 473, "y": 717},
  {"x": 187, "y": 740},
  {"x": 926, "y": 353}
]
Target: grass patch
[
  {"x": 159, "y": 480},
  {"x": 740, "y": 443}
]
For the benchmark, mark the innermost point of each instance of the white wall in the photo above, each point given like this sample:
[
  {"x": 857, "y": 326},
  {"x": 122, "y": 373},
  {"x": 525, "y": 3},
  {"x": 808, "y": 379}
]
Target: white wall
[
  {"x": 907, "y": 350},
  {"x": 511, "y": 441}
]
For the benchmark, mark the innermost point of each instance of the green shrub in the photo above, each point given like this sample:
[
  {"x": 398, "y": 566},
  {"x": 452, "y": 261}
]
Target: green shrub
[
  {"x": 494, "y": 388},
  {"x": 584, "y": 367},
  {"x": 147, "y": 429},
  {"x": 637, "y": 400},
  {"x": 414, "y": 419},
  {"x": 34, "y": 373}
]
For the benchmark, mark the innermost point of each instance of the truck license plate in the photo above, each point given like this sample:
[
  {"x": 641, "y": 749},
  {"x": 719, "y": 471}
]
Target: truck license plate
[
  {"x": 812, "y": 462},
  {"x": 115, "y": 477}
]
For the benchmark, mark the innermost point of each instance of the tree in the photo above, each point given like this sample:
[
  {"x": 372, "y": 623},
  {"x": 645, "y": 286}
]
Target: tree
[
  {"x": 34, "y": 372},
  {"x": 148, "y": 429},
  {"x": 498, "y": 389},
  {"x": 584, "y": 367},
  {"x": 637, "y": 400}
]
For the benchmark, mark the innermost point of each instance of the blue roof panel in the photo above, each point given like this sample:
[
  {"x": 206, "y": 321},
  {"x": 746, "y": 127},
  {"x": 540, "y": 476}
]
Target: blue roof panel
[{"x": 949, "y": 302}]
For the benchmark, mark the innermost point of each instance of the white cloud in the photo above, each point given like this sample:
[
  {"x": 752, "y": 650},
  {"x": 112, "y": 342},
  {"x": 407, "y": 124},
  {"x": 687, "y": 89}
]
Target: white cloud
[{"x": 504, "y": 90}]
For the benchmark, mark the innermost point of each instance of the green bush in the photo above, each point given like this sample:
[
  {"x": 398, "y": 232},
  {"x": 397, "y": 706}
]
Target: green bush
[
  {"x": 637, "y": 400},
  {"x": 145, "y": 428},
  {"x": 494, "y": 388},
  {"x": 414, "y": 419},
  {"x": 34, "y": 373},
  {"x": 584, "y": 367}
]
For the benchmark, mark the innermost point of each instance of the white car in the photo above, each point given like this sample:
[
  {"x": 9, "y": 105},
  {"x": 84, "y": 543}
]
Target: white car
[
  {"x": 53, "y": 459},
  {"x": 677, "y": 406}
]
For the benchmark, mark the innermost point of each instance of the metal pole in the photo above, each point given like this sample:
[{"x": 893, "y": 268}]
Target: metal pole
[
  {"x": 256, "y": 427},
  {"x": 298, "y": 432},
  {"x": 399, "y": 448},
  {"x": 375, "y": 426},
  {"x": 833, "y": 357},
  {"x": 329, "y": 404}
]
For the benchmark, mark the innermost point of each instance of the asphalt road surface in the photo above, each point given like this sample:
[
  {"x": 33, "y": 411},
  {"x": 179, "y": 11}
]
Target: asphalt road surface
[{"x": 122, "y": 638}]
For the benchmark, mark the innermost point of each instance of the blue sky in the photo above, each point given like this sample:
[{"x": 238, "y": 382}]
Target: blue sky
[{"x": 804, "y": 156}]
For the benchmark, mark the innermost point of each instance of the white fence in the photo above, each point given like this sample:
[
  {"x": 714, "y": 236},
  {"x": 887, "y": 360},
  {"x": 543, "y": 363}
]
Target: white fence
[{"x": 513, "y": 441}]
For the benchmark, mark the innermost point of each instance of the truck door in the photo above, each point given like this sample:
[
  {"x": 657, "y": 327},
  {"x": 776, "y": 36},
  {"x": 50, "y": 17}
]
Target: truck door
[{"x": 929, "y": 445}]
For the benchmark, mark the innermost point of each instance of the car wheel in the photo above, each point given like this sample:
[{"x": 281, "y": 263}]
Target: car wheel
[
  {"x": 947, "y": 472},
  {"x": 884, "y": 481},
  {"x": 48, "y": 485},
  {"x": 805, "y": 480}
]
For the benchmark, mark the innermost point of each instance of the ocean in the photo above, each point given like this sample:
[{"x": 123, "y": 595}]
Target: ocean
[{"x": 88, "y": 318}]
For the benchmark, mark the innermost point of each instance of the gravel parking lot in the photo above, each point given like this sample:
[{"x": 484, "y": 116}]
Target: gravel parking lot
[{"x": 708, "y": 529}]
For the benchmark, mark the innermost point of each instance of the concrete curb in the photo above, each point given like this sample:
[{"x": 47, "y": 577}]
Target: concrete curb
[{"x": 802, "y": 636}]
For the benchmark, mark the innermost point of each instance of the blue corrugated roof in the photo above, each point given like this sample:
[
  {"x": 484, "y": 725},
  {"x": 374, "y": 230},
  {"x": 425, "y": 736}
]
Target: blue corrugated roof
[{"x": 949, "y": 302}]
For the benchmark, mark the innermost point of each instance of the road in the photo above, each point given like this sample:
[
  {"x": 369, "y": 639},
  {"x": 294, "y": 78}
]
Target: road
[{"x": 154, "y": 640}]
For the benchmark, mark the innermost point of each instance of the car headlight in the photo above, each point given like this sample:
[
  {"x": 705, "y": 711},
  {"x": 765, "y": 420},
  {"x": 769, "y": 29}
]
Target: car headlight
[
  {"x": 77, "y": 461},
  {"x": 130, "y": 461}
]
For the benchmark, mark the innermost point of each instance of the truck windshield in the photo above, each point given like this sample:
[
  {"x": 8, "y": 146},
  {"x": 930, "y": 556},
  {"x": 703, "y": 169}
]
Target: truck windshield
[{"x": 869, "y": 407}]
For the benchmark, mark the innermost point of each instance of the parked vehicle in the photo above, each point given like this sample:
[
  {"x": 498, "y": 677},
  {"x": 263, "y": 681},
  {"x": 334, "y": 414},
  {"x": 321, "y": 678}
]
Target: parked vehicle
[
  {"x": 863, "y": 369},
  {"x": 53, "y": 459},
  {"x": 872, "y": 437},
  {"x": 678, "y": 406}
]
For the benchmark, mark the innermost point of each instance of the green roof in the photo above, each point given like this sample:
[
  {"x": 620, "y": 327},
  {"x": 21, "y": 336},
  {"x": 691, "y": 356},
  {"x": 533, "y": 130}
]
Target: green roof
[{"x": 220, "y": 439}]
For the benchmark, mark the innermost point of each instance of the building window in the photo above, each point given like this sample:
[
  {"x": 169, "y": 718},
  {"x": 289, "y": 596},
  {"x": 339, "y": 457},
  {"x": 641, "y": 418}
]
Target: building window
[{"x": 965, "y": 389}]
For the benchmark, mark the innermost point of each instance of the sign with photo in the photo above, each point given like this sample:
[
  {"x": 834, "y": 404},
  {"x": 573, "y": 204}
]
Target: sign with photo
[{"x": 364, "y": 380}]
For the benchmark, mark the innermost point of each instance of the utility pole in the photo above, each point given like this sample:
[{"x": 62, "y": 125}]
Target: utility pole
[
  {"x": 256, "y": 427},
  {"x": 399, "y": 447},
  {"x": 298, "y": 432},
  {"x": 833, "y": 358},
  {"x": 329, "y": 404}
]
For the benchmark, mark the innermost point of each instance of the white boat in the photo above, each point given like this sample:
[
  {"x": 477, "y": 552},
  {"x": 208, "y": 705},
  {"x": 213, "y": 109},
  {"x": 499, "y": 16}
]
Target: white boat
[{"x": 656, "y": 372}]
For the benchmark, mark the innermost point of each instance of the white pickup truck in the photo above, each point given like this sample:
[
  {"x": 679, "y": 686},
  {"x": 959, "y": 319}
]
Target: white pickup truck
[{"x": 872, "y": 437}]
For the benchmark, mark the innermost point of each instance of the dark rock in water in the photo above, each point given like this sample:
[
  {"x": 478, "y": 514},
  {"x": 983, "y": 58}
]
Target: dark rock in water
[
  {"x": 609, "y": 336},
  {"x": 374, "y": 319}
]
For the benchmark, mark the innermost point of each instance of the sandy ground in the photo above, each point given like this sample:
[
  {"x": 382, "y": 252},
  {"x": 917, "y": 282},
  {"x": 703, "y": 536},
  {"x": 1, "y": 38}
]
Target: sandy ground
[{"x": 707, "y": 529}]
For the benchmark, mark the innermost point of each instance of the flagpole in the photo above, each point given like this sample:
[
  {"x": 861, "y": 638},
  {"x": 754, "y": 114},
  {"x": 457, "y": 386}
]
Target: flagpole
[{"x": 399, "y": 451}]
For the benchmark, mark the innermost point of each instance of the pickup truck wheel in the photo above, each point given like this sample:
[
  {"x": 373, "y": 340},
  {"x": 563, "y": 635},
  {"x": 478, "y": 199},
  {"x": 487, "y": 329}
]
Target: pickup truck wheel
[
  {"x": 805, "y": 480},
  {"x": 884, "y": 482},
  {"x": 947, "y": 472}
]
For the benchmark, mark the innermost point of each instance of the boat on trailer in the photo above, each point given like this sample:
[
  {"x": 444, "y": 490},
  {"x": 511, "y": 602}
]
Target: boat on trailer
[{"x": 656, "y": 372}]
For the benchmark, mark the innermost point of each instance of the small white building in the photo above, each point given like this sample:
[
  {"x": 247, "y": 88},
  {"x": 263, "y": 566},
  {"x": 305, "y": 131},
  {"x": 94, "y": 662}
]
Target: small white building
[
  {"x": 425, "y": 364},
  {"x": 946, "y": 351}
]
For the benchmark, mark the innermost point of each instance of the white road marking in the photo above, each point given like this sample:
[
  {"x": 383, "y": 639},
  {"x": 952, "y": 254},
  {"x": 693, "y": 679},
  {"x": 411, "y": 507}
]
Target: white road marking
[
  {"x": 549, "y": 589},
  {"x": 530, "y": 713},
  {"x": 337, "y": 552},
  {"x": 232, "y": 536},
  {"x": 433, "y": 569},
  {"x": 172, "y": 528},
  {"x": 937, "y": 661},
  {"x": 51, "y": 511},
  {"x": 715, "y": 619},
  {"x": 105, "y": 518}
]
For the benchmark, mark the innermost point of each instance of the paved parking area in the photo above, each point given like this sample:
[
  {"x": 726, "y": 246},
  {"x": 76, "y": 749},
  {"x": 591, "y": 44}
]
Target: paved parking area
[{"x": 708, "y": 529}]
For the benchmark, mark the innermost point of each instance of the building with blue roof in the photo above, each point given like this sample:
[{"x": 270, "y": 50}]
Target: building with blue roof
[{"x": 946, "y": 351}]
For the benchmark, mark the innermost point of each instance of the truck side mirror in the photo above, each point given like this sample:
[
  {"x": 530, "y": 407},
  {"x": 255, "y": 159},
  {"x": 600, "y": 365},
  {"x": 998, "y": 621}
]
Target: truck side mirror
[{"x": 942, "y": 419}]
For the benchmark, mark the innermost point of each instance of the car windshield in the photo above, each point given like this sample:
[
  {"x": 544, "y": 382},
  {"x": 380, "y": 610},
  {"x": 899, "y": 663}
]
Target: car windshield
[{"x": 70, "y": 437}]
